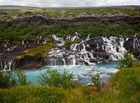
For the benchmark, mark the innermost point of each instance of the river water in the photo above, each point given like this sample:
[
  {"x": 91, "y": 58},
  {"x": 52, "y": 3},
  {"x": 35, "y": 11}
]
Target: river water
[{"x": 80, "y": 73}]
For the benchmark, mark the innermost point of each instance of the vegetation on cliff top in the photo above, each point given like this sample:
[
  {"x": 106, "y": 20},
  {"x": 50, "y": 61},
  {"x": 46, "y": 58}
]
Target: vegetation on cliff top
[
  {"x": 38, "y": 52},
  {"x": 10, "y": 13},
  {"x": 28, "y": 31}
]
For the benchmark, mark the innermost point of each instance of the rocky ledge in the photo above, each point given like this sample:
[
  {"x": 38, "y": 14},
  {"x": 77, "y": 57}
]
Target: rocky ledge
[{"x": 44, "y": 20}]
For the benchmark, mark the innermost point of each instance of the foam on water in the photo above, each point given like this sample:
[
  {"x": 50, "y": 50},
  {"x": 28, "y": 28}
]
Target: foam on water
[{"x": 81, "y": 73}]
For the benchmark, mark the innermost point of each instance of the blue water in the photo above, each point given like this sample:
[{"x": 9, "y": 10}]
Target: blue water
[{"x": 80, "y": 72}]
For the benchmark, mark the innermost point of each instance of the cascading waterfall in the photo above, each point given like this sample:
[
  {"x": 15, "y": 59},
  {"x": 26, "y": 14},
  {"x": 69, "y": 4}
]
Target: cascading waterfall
[
  {"x": 64, "y": 62},
  {"x": 59, "y": 61},
  {"x": 114, "y": 46},
  {"x": 7, "y": 65},
  {"x": 89, "y": 51}
]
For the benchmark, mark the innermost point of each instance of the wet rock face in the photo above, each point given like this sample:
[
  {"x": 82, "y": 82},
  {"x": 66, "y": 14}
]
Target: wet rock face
[
  {"x": 94, "y": 42},
  {"x": 133, "y": 46}
]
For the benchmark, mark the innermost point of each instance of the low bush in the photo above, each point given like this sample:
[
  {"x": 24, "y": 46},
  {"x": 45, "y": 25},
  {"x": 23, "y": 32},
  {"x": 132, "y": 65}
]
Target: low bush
[
  {"x": 126, "y": 61},
  {"x": 96, "y": 81},
  {"x": 9, "y": 79},
  {"x": 5, "y": 79},
  {"x": 21, "y": 78},
  {"x": 54, "y": 78}
]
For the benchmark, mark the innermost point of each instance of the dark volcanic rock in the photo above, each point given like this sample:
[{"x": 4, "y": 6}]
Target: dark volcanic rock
[
  {"x": 94, "y": 42},
  {"x": 133, "y": 46},
  {"x": 48, "y": 21},
  {"x": 2, "y": 13}
]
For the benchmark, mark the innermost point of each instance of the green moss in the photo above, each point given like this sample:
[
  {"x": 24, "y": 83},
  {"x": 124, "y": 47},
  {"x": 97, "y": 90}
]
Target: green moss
[{"x": 41, "y": 50}]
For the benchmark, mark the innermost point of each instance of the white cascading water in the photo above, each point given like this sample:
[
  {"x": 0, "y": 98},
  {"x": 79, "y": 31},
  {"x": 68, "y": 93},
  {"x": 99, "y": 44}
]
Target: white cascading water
[
  {"x": 82, "y": 54},
  {"x": 113, "y": 47},
  {"x": 91, "y": 50},
  {"x": 64, "y": 62},
  {"x": 69, "y": 37},
  {"x": 44, "y": 41},
  {"x": 10, "y": 65},
  {"x": 74, "y": 61},
  {"x": 58, "y": 40},
  {"x": 6, "y": 65}
]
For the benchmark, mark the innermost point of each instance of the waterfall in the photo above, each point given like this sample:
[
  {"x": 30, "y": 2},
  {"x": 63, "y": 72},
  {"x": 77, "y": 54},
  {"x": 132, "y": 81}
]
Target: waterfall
[
  {"x": 69, "y": 37},
  {"x": 44, "y": 41},
  {"x": 6, "y": 65},
  {"x": 10, "y": 65},
  {"x": 73, "y": 61},
  {"x": 64, "y": 61},
  {"x": 55, "y": 61},
  {"x": 74, "y": 47},
  {"x": 58, "y": 40},
  {"x": 91, "y": 51},
  {"x": 113, "y": 47}
]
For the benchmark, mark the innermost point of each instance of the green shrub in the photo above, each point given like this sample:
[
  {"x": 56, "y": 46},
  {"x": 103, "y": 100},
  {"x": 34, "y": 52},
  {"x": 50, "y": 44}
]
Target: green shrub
[
  {"x": 9, "y": 79},
  {"x": 5, "y": 79},
  {"x": 37, "y": 56},
  {"x": 126, "y": 61},
  {"x": 21, "y": 78},
  {"x": 54, "y": 78},
  {"x": 96, "y": 81}
]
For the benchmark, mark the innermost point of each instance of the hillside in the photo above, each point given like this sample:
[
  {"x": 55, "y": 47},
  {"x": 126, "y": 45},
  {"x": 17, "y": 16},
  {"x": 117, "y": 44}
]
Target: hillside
[{"x": 25, "y": 29}]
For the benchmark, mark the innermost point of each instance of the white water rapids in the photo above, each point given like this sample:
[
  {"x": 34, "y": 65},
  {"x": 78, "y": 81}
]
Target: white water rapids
[{"x": 80, "y": 72}]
